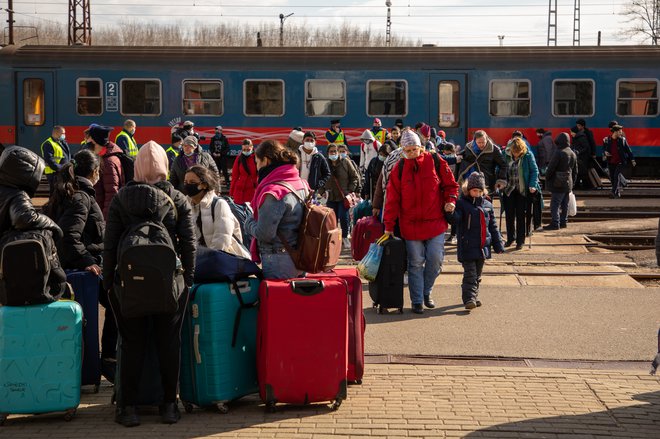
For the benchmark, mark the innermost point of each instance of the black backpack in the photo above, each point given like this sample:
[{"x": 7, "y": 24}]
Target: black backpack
[
  {"x": 241, "y": 211},
  {"x": 148, "y": 269},
  {"x": 30, "y": 271},
  {"x": 127, "y": 166}
]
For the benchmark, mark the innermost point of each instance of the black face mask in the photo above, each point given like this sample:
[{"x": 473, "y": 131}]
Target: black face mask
[{"x": 191, "y": 189}]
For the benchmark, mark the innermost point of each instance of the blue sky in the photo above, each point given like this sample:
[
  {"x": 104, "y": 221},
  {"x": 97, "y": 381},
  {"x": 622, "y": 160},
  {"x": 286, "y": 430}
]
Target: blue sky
[{"x": 446, "y": 23}]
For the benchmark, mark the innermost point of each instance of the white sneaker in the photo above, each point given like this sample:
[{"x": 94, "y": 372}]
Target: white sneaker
[{"x": 346, "y": 244}]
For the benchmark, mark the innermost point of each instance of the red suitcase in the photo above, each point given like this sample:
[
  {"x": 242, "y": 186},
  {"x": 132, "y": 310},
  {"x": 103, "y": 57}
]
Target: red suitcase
[
  {"x": 366, "y": 231},
  {"x": 302, "y": 341},
  {"x": 356, "y": 322}
]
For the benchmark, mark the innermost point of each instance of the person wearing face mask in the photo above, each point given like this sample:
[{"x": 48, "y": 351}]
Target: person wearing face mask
[
  {"x": 125, "y": 139},
  {"x": 215, "y": 225},
  {"x": 618, "y": 154},
  {"x": 175, "y": 150},
  {"x": 522, "y": 183},
  {"x": 420, "y": 189},
  {"x": 373, "y": 171},
  {"x": 278, "y": 212},
  {"x": 112, "y": 175},
  {"x": 313, "y": 166},
  {"x": 244, "y": 174},
  {"x": 368, "y": 149},
  {"x": 55, "y": 152},
  {"x": 192, "y": 155},
  {"x": 380, "y": 133},
  {"x": 343, "y": 180},
  {"x": 335, "y": 135}
]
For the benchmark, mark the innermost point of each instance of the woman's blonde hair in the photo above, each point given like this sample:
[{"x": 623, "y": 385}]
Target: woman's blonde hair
[{"x": 518, "y": 146}]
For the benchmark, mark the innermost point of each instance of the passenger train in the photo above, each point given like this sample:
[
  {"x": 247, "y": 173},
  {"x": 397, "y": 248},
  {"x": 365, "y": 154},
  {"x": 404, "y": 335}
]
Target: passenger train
[{"x": 263, "y": 92}]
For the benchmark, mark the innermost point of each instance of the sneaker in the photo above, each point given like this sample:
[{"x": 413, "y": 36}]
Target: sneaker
[
  {"x": 519, "y": 246},
  {"x": 429, "y": 303},
  {"x": 418, "y": 308},
  {"x": 508, "y": 243},
  {"x": 471, "y": 305},
  {"x": 346, "y": 244},
  {"x": 539, "y": 229},
  {"x": 550, "y": 227},
  {"x": 127, "y": 416},
  {"x": 169, "y": 413},
  {"x": 478, "y": 303}
]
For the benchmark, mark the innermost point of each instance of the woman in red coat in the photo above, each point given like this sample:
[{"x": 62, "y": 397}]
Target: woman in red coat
[{"x": 244, "y": 175}]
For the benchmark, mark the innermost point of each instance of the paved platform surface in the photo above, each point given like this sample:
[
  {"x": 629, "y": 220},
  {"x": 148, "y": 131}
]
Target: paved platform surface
[{"x": 407, "y": 401}]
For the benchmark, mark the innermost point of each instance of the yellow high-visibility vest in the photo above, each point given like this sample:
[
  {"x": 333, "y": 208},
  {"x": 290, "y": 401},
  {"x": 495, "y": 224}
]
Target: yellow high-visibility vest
[
  {"x": 132, "y": 146},
  {"x": 58, "y": 154}
]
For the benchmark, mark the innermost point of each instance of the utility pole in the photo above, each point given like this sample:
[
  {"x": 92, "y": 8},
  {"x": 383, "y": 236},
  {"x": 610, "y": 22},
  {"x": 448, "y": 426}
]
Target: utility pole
[
  {"x": 576, "y": 23},
  {"x": 388, "y": 26},
  {"x": 282, "y": 18},
  {"x": 552, "y": 23},
  {"x": 80, "y": 28},
  {"x": 10, "y": 20},
  {"x": 501, "y": 37}
]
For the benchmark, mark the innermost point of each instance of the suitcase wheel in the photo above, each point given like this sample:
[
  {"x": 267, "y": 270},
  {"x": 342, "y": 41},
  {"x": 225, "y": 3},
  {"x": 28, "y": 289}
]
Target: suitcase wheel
[
  {"x": 223, "y": 407},
  {"x": 400, "y": 310},
  {"x": 3, "y": 418},
  {"x": 335, "y": 405},
  {"x": 270, "y": 406},
  {"x": 359, "y": 382},
  {"x": 68, "y": 416},
  {"x": 374, "y": 305},
  {"x": 188, "y": 407},
  {"x": 380, "y": 310}
]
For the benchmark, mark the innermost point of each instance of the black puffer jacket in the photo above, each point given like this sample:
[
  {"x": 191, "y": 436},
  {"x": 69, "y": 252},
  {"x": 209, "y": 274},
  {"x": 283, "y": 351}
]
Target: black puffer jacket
[
  {"x": 489, "y": 161},
  {"x": 137, "y": 202},
  {"x": 563, "y": 168},
  {"x": 20, "y": 173},
  {"x": 81, "y": 220}
]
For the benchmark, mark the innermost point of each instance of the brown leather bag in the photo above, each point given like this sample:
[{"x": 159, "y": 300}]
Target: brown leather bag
[
  {"x": 350, "y": 199},
  {"x": 319, "y": 237}
]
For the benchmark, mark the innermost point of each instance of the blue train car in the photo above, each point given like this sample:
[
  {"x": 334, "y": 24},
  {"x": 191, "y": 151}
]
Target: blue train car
[{"x": 264, "y": 92}]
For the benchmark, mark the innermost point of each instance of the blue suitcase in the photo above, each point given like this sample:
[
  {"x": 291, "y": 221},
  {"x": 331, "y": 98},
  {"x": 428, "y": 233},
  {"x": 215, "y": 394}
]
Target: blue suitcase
[
  {"x": 218, "y": 344},
  {"x": 86, "y": 286},
  {"x": 40, "y": 358}
]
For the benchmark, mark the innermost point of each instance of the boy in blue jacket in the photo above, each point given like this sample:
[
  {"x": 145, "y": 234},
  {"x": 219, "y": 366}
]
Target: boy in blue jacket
[{"x": 477, "y": 232}]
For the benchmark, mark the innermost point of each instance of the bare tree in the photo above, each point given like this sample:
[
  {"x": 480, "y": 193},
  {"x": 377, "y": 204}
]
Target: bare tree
[{"x": 643, "y": 16}]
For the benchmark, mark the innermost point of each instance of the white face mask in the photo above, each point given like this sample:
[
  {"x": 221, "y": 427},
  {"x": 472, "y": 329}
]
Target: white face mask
[{"x": 308, "y": 145}]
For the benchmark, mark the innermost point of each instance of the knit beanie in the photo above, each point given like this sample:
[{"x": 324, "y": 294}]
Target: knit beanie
[
  {"x": 409, "y": 138},
  {"x": 425, "y": 130},
  {"x": 297, "y": 136},
  {"x": 151, "y": 163},
  {"x": 476, "y": 180},
  {"x": 99, "y": 134},
  {"x": 191, "y": 140}
]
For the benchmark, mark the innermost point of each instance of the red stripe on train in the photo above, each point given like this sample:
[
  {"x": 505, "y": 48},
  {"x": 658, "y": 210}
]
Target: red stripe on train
[{"x": 636, "y": 136}]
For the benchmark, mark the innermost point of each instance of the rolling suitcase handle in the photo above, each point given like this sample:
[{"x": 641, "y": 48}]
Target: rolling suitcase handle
[{"x": 307, "y": 287}]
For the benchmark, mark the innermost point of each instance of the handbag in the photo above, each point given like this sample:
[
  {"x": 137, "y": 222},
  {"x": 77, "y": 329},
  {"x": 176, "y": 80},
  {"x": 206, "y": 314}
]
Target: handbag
[
  {"x": 572, "y": 204},
  {"x": 369, "y": 265},
  {"x": 213, "y": 266},
  {"x": 350, "y": 199}
]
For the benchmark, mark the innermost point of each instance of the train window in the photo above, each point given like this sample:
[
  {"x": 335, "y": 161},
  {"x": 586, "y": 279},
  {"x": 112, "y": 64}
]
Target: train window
[
  {"x": 33, "y": 101},
  {"x": 510, "y": 98},
  {"x": 448, "y": 104},
  {"x": 202, "y": 98},
  {"x": 140, "y": 97},
  {"x": 573, "y": 97},
  {"x": 324, "y": 97},
  {"x": 387, "y": 97},
  {"x": 89, "y": 100},
  {"x": 637, "y": 97},
  {"x": 263, "y": 97}
]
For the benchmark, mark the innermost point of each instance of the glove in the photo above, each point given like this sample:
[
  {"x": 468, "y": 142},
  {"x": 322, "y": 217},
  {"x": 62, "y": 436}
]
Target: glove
[{"x": 634, "y": 163}]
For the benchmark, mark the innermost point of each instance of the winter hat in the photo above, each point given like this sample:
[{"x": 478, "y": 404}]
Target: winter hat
[
  {"x": 191, "y": 140},
  {"x": 335, "y": 121},
  {"x": 563, "y": 140},
  {"x": 476, "y": 180},
  {"x": 188, "y": 124},
  {"x": 612, "y": 123},
  {"x": 297, "y": 136},
  {"x": 399, "y": 123},
  {"x": 425, "y": 131},
  {"x": 367, "y": 135},
  {"x": 442, "y": 134},
  {"x": 409, "y": 138},
  {"x": 151, "y": 163},
  {"x": 377, "y": 121},
  {"x": 99, "y": 134},
  {"x": 219, "y": 128}
]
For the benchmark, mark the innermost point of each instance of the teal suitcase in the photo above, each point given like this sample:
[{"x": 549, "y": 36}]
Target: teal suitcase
[
  {"x": 218, "y": 345},
  {"x": 40, "y": 358}
]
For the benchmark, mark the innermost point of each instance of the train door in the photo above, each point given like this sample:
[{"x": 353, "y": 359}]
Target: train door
[
  {"x": 448, "y": 105},
  {"x": 35, "y": 116}
]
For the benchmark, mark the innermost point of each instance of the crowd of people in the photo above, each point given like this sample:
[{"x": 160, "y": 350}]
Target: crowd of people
[{"x": 418, "y": 183}]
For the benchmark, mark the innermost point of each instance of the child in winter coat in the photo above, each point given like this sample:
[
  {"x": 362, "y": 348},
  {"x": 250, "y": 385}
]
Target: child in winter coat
[{"x": 477, "y": 232}]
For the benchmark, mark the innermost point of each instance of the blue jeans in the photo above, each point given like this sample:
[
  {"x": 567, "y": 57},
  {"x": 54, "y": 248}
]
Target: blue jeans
[
  {"x": 559, "y": 209},
  {"x": 424, "y": 266},
  {"x": 342, "y": 216},
  {"x": 279, "y": 266}
]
